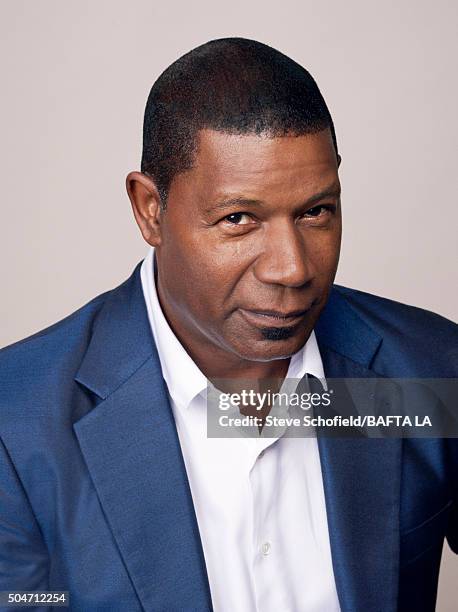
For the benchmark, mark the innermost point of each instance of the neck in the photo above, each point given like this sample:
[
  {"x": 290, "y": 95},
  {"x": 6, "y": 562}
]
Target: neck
[{"x": 224, "y": 367}]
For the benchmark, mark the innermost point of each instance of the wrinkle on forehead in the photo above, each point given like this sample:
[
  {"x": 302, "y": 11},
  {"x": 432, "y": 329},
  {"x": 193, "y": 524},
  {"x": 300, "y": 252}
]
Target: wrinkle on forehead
[
  {"x": 262, "y": 151},
  {"x": 270, "y": 169}
]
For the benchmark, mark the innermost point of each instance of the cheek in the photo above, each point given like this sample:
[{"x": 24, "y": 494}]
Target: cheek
[
  {"x": 202, "y": 273},
  {"x": 222, "y": 258},
  {"x": 323, "y": 253}
]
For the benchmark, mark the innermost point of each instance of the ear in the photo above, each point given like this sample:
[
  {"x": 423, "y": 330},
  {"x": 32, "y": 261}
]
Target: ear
[{"x": 146, "y": 206}]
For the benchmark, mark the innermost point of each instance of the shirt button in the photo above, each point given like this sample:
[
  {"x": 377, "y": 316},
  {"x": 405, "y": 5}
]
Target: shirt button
[{"x": 265, "y": 548}]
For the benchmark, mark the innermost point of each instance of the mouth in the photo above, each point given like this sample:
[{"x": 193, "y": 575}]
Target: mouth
[{"x": 273, "y": 318}]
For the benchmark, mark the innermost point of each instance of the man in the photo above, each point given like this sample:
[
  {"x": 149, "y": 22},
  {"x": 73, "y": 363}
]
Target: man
[{"x": 110, "y": 487}]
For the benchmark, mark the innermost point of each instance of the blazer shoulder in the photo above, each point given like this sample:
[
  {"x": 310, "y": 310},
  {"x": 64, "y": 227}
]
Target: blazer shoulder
[
  {"x": 388, "y": 310},
  {"x": 57, "y": 331},
  {"x": 33, "y": 369},
  {"x": 411, "y": 335}
]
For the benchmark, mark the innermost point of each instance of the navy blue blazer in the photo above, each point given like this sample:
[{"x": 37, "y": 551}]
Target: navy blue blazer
[{"x": 94, "y": 497}]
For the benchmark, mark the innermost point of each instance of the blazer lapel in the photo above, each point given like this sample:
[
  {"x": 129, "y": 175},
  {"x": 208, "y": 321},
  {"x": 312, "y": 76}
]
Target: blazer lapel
[
  {"x": 361, "y": 477},
  {"x": 132, "y": 451}
]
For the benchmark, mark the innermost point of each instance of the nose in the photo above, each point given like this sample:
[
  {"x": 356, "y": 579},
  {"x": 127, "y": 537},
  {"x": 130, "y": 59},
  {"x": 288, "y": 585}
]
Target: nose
[{"x": 283, "y": 260}]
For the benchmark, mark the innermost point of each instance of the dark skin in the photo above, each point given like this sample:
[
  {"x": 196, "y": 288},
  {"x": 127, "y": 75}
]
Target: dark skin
[{"x": 247, "y": 249}]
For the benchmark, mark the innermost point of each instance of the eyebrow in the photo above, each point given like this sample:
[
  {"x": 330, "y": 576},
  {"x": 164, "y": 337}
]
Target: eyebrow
[
  {"x": 330, "y": 191},
  {"x": 225, "y": 203},
  {"x": 229, "y": 202}
]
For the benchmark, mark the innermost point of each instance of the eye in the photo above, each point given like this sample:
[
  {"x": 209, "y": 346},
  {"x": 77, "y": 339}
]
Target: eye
[
  {"x": 318, "y": 211},
  {"x": 238, "y": 218}
]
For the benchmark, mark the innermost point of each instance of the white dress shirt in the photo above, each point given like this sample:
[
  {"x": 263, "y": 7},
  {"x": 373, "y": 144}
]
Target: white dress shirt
[{"x": 259, "y": 502}]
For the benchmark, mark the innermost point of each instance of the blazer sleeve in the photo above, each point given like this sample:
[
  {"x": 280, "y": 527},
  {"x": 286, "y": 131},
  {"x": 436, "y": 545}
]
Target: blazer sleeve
[{"x": 24, "y": 560}]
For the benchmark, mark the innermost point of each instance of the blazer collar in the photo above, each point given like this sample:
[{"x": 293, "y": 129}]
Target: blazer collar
[
  {"x": 341, "y": 329},
  {"x": 131, "y": 447},
  {"x": 121, "y": 339}
]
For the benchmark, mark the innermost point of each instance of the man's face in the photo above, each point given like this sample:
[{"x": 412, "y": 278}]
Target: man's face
[{"x": 250, "y": 243}]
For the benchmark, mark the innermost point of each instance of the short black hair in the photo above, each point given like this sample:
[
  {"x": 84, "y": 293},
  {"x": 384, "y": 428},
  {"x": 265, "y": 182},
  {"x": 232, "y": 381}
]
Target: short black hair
[{"x": 233, "y": 85}]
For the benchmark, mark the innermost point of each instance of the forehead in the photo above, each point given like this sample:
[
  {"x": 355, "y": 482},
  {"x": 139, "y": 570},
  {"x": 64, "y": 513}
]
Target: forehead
[{"x": 261, "y": 165}]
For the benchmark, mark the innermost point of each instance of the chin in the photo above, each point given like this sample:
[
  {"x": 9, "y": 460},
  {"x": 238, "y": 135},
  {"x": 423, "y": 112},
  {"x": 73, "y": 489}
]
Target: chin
[{"x": 271, "y": 349}]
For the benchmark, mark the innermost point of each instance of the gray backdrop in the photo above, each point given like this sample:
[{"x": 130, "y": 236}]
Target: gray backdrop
[{"x": 75, "y": 77}]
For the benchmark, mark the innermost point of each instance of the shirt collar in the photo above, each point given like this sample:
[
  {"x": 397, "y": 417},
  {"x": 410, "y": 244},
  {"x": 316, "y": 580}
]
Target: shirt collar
[{"x": 184, "y": 379}]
